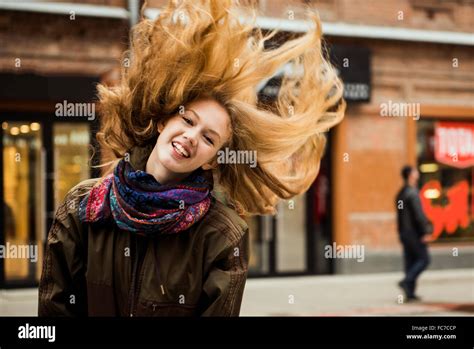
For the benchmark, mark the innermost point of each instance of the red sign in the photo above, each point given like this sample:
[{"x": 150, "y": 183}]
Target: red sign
[
  {"x": 454, "y": 143},
  {"x": 449, "y": 217}
]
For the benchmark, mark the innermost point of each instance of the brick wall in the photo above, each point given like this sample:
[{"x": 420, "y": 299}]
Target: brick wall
[
  {"x": 432, "y": 15},
  {"x": 454, "y": 15},
  {"x": 55, "y": 44}
]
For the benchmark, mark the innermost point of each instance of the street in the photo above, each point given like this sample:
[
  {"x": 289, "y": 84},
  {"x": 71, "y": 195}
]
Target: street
[{"x": 443, "y": 292}]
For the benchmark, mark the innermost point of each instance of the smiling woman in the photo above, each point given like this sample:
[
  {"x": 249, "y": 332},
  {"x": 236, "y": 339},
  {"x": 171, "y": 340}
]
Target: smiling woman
[
  {"x": 151, "y": 238},
  {"x": 188, "y": 141}
]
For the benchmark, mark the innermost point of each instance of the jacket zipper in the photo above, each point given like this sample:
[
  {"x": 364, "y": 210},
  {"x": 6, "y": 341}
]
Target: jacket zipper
[{"x": 136, "y": 272}]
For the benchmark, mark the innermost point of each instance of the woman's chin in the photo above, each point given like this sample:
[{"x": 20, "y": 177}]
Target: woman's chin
[{"x": 173, "y": 166}]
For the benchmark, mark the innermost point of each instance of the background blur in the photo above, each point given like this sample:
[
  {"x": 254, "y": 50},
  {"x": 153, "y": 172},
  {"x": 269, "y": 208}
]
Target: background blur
[{"x": 391, "y": 54}]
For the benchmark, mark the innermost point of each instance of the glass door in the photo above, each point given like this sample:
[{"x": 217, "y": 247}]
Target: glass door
[
  {"x": 291, "y": 233},
  {"x": 23, "y": 164},
  {"x": 262, "y": 245},
  {"x": 293, "y": 241},
  {"x": 278, "y": 244}
]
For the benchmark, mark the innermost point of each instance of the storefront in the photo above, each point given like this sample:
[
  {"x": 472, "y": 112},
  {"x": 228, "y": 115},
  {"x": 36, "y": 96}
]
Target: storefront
[
  {"x": 293, "y": 242},
  {"x": 446, "y": 163},
  {"x": 44, "y": 153}
]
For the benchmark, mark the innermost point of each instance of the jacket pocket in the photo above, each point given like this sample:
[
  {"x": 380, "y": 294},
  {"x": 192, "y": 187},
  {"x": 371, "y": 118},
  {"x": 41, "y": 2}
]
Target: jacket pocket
[{"x": 153, "y": 308}]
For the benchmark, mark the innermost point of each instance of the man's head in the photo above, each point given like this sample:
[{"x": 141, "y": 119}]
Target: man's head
[{"x": 410, "y": 175}]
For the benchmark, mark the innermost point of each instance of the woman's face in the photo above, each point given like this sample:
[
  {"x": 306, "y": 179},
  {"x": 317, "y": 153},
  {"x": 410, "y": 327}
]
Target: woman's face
[{"x": 191, "y": 138}]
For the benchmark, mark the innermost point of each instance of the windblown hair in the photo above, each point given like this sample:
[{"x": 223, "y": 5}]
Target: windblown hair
[{"x": 197, "y": 49}]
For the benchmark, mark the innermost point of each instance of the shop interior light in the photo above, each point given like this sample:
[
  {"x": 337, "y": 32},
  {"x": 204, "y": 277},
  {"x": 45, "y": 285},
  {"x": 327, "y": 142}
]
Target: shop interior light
[
  {"x": 4, "y": 125},
  {"x": 14, "y": 131},
  {"x": 24, "y": 128},
  {"x": 431, "y": 193},
  {"x": 34, "y": 126},
  {"x": 429, "y": 168}
]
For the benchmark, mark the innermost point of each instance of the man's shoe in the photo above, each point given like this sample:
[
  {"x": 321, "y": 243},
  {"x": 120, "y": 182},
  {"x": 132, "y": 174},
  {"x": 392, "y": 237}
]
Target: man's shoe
[
  {"x": 413, "y": 298},
  {"x": 403, "y": 285},
  {"x": 409, "y": 297}
]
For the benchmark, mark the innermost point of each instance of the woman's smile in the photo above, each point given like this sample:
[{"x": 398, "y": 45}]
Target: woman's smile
[{"x": 179, "y": 151}]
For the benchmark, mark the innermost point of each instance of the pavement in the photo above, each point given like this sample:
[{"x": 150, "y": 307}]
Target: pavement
[{"x": 444, "y": 293}]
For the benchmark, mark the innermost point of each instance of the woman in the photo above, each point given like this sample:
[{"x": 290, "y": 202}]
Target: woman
[{"x": 151, "y": 238}]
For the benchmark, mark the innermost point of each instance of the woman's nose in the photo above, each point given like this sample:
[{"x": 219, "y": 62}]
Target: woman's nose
[{"x": 191, "y": 138}]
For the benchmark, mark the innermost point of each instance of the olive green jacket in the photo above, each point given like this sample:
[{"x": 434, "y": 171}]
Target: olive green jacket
[{"x": 90, "y": 271}]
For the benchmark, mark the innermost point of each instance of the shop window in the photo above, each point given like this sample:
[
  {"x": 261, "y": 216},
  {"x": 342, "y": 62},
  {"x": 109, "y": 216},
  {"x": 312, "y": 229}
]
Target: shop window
[
  {"x": 23, "y": 201},
  {"x": 446, "y": 159},
  {"x": 71, "y": 157}
]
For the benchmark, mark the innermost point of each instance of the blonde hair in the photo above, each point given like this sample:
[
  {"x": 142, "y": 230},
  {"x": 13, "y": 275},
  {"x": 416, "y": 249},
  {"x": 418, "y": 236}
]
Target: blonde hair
[{"x": 197, "y": 49}]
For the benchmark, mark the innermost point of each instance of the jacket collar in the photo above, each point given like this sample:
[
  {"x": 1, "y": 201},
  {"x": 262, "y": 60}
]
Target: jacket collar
[{"x": 139, "y": 156}]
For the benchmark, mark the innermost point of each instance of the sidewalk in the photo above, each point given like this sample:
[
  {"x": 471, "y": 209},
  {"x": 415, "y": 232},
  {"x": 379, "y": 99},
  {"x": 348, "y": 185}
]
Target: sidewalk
[{"x": 443, "y": 292}]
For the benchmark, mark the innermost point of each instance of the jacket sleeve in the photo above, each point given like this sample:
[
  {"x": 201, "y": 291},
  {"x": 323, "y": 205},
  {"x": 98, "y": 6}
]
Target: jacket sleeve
[
  {"x": 224, "y": 285},
  {"x": 421, "y": 221},
  {"x": 62, "y": 290}
]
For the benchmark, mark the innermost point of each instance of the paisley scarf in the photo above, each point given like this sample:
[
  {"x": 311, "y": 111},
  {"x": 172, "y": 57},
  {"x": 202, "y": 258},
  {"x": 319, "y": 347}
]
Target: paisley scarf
[{"x": 138, "y": 203}]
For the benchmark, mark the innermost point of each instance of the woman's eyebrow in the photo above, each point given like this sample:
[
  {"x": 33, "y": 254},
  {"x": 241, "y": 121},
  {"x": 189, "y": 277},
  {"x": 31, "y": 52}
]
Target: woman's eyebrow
[{"x": 209, "y": 129}]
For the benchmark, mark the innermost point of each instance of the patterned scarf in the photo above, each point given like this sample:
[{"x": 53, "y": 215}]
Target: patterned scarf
[{"x": 136, "y": 202}]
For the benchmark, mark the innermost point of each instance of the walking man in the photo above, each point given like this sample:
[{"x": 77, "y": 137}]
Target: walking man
[{"x": 413, "y": 229}]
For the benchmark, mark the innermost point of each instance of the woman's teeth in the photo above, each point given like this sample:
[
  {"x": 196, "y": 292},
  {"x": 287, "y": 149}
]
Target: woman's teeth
[{"x": 180, "y": 149}]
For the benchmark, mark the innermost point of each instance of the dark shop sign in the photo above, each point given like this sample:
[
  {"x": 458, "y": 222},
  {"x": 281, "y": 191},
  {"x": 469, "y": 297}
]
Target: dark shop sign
[{"x": 353, "y": 66}]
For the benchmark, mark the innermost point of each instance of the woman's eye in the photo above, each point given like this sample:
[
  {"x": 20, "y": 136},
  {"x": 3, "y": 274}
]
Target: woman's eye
[
  {"x": 187, "y": 120},
  {"x": 209, "y": 140}
]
